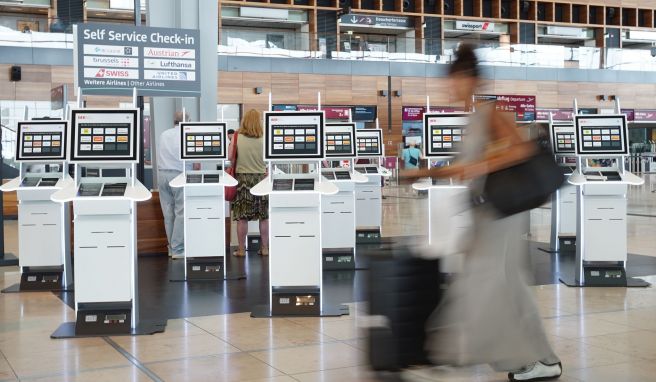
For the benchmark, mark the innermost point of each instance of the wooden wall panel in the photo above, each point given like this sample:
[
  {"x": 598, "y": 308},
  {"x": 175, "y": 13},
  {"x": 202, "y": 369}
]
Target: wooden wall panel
[
  {"x": 230, "y": 87},
  {"x": 285, "y": 88}
]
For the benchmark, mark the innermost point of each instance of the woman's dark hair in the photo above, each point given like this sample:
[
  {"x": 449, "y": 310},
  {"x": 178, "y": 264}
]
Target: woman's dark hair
[{"x": 466, "y": 62}]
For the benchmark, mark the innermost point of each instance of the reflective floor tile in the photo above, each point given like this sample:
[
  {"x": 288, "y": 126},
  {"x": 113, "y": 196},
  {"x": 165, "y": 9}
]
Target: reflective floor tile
[
  {"x": 307, "y": 359},
  {"x": 123, "y": 374}
]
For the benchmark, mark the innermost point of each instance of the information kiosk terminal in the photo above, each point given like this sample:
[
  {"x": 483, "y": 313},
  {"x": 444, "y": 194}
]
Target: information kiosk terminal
[
  {"x": 295, "y": 140},
  {"x": 602, "y": 181},
  {"x": 204, "y": 202},
  {"x": 448, "y": 213},
  {"x": 105, "y": 151},
  {"x": 369, "y": 195},
  {"x": 563, "y": 201},
  {"x": 43, "y": 225},
  {"x": 338, "y": 210}
]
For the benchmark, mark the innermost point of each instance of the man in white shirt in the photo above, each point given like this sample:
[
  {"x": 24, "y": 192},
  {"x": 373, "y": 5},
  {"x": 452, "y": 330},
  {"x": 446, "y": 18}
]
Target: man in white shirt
[{"x": 169, "y": 165}]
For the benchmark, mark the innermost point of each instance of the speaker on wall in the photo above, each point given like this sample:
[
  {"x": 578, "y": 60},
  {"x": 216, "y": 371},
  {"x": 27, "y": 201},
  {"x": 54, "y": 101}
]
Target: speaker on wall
[{"x": 15, "y": 73}]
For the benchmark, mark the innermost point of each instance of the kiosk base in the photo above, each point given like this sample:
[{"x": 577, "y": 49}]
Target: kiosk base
[
  {"x": 68, "y": 330},
  {"x": 604, "y": 276},
  {"x": 253, "y": 242},
  {"x": 368, "y": 236},
  {"x": 8, "y": 260},
  {"x": 45, "y": 279},
  {"x": 264, "y": 311},
  {"x": 565, "y": 243},
  {"x": 205, "y": 268},
  {"x": 338, "y": 259},
  {"x": 177, "y": 271}
]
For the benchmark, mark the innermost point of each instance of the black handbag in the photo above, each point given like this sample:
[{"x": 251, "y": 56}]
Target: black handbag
[
  {"x": 413, "y": 161},
  {"x": 524, "y": 186}
]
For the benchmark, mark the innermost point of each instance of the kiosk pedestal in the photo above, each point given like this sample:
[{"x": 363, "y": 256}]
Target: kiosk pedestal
[{"x": 563, "y": 219}]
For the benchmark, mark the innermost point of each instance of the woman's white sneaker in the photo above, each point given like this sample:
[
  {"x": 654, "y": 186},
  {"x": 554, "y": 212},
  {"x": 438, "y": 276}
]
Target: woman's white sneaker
[{"x": 538, "y": 372}]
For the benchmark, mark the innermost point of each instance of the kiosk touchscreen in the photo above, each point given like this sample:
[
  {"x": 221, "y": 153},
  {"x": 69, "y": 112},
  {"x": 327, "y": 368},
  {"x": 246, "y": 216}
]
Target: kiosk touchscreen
[
  {"x": 204, "y": 202},
  {"x": 105, "y": 150},
  {"x": 369, "y": 195},
  {"x": 43, "y": 225},
  {"x": 563, "y": 202},
  {"x": 602, "y": 181},
  {"x": 338, "y": 211},
  {"x": 294, "y": 149},
  {"x": 448, "y": 217}
]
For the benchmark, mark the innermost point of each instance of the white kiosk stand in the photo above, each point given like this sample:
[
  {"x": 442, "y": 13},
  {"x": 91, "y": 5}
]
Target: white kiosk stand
[
  {"x": 105, "y": 150},
  {"x": 295, "y": 271},
  {"x": 43, "y": 225},
  {"x": 563, "y": 201},
  {"x": 601, "y": 236},
  {"x": 449, "y": 217},
  {"x": 204, "y": 203},
  {"x": 338, "y": 210},
  {"x": 369, "y": 195}
]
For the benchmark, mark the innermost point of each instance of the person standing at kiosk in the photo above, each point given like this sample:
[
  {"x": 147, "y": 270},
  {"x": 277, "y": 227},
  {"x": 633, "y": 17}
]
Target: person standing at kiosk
[
  {"x": 250, "y": 170},
  {"x": 169, "y": 166},
  {"x": 411, "y": 156}
]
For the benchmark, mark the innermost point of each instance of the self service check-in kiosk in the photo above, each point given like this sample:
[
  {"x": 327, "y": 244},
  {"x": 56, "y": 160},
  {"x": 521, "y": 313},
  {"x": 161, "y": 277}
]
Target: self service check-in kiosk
[
  {"x": 449, "y": 217},
  {"x": 369, "y": 195},
  {"x": 338, "y": 210},
  {"x": 295, "y": 139},
  {"x": 602, "y": 181},
  {"x": 563, "y": 201},
  {"x": 204, "y": 202},
  {"x": 43, "y": 225},
  {"x": 105, "y": 151}
]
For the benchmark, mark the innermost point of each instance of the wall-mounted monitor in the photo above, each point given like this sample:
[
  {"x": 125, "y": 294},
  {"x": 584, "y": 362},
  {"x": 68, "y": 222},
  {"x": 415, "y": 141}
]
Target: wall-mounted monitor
[
  {"x": 340, "y": 140},
  {"x": 601, "y": 134},
  {"x": 293, "y": 135},
  {"x": 203, "y": 140},
  {"x": 101, "y": 135},
  {"x": 369, "y": 143},
  {"x": 563, "y": 138},
  {"x": 41, "y": 141},
  {"x": 444, "y": 133}
]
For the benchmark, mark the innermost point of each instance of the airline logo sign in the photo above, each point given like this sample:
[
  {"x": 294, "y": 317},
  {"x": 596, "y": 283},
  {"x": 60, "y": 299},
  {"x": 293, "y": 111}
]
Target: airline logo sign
[
  {"x": 114, "y": 59},
  {"x": 475, "y": 26}
]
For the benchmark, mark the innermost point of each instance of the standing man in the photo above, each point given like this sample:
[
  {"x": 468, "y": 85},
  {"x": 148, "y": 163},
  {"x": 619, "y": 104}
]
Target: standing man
[{"x": 169, "y": 165}]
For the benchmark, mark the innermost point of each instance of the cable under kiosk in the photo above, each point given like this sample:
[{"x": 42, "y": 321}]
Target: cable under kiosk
[
  {"x": 369, "y": 195},
  {"x": 105, "y": 151},
  {"x": 338, "y": 210},
  {"x": 204, "y": 200},
  {"x": 43, "y": 225},
  {"x": 295, "y": 141}
]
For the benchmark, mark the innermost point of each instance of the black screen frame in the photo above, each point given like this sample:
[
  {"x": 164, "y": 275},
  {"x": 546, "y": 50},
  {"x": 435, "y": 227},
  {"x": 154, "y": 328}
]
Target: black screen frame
[
  {"x": 135, "y": 142},
  {"x": 428, "y": 142},
  {"x": 624, "y": 130},
  {"x": 64, "y": 142},
  {"x": 354, "y": 146},
  {"x": 380, "y": 139},
  {"x": 224, "y": 141},
  {"x": 320, "y": 138}
]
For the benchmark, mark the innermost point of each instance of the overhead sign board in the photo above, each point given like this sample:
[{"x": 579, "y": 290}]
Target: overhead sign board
[
  {"x": 645, "y": 115},
  {"x": 377, "y": 21},
  {"x": 474, "y": 26},
  {"x": 113, "y": 59},
  {"x": 542, "y": 114},
  {"x": 415, "y": 113},
  {"x": 523, "y": 106}
]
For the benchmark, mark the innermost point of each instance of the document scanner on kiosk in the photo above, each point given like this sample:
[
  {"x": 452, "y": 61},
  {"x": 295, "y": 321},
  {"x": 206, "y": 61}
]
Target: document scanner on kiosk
[
  {"x": 602, "y": 182},
  {"x": 105, "y": 150},
  {"x": 204, "y": 201},
  {"x": 294, "y": 141},
  {"x": 338, "y": 238},
  {"x": 43, "y": 225}
]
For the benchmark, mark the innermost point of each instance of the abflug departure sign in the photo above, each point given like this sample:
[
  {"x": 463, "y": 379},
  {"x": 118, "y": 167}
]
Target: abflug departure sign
[{"x": 114, "y": 59}]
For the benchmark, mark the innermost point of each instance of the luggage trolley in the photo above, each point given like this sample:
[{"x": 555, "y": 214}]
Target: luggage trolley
[
  {"x": 602, "y": 182},
  {"x": 105, "y": 151},
  {"x": 338, "y": 210},
  {"x": 295, "y": 139},
  {"x": 43, "y": 225},
  {"x": 369, "y": 195},
  {"x": 204, "y": 202}
]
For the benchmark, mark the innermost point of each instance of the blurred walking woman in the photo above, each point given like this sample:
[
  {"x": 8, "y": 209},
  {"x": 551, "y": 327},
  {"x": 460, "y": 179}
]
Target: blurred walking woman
[
  {"x": 489, "y": 314},
  {"x": 250, "y": 170}
]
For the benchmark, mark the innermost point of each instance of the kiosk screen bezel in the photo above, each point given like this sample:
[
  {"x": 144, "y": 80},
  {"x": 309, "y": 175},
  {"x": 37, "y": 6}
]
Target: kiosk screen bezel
[
  {"x": 134, "y": 136},
  {"x": 269, "y": 127},
  {"x": 198, "y": 129},
  {"x": 19, "y": 157},
  {"x": 366, "y": 133},
  {"x": 450, "y": 119},
  {"x": 554, "y": 139},
  {"x": 624, "y": 135},
  {"x": 343, "y": 125}
]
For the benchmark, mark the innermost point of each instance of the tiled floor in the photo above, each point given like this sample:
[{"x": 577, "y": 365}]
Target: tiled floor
[{"x": 601, "y": 334}]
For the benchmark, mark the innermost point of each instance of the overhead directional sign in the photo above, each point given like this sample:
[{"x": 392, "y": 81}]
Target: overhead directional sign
[
  {"x": 377, "y": 21},
  {"x": 113, "y": 59}
]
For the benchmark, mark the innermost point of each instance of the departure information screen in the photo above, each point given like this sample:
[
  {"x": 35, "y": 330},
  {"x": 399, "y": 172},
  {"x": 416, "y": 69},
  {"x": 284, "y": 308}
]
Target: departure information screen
[
  {"x": 41, "y": 140},
  {"x": 105, "y": 135},
  {"x": 294, "y": 135},
  {"x": 369, "y": 143},
  {"x": 563, "y": 138},
  {"x": 444, "y": 133},
  {"x": 340, "y": 140},
  {"x": 601, "y": 135},
  {"x": 202, "y": 140}
]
